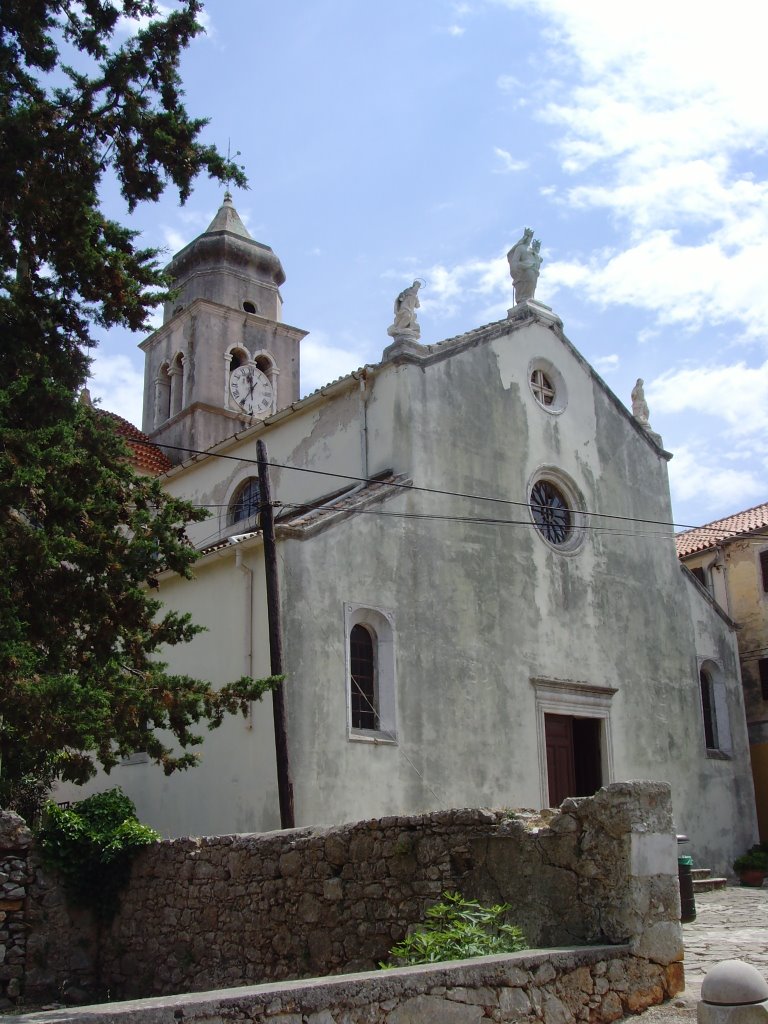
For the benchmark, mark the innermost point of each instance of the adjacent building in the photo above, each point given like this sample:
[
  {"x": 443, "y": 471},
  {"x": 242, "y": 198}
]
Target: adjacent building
[
  {"x": 729, "y": 558},
  {"x": 481, "y": 600}
]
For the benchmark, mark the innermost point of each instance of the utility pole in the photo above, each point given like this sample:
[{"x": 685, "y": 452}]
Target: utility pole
[{"x": 284, "y": 783}]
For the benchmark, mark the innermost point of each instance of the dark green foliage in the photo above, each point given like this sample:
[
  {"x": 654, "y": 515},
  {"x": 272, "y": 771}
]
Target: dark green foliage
[
  {"x": 458, "y": 929},
  {"x": 755, "y": 859},
  {"x": 81, "y": 536},
  {"x": 92, "y": 845}
]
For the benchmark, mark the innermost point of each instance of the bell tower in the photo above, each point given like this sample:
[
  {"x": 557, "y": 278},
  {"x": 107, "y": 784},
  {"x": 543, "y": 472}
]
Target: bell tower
[{"x": 223, "y": 358}]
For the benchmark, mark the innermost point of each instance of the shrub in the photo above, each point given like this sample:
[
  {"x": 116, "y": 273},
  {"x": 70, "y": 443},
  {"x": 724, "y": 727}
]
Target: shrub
[
  {"x": 458, "y": 929},
  {"x": 755, "y": 859},
  {"x": 92, "y": 845}
]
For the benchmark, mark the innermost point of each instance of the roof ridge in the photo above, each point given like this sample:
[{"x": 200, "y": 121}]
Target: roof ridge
[{"x": 723, "y": 519}]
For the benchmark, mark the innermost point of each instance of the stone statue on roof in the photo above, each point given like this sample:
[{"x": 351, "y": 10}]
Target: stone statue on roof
[
  {"x": 641, "y": 414},
  {"x": 639, "y": 405},
  {"x": 406, "y": 304},
  {"x": 525, "y": 261}
]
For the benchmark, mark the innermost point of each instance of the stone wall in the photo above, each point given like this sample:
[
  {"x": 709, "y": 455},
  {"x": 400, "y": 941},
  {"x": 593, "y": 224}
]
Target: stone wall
[
  {"x": 16, "y": 874},
  {"x": 596, "y": 985},
  {"x": 233, "y": 910}
]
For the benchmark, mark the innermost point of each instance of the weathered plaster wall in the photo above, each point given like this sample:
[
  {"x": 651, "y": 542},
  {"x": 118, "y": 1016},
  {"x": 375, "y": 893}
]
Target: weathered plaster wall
[
  {"x": 723, "y": 776},
  {"x": 235, "y": 786},
  {"x": 486, "y": 613},
  {"x": 749, "y": 607},
  {"x": 233, "y": 910},
  {"x": 491, "y": 624},
  {"x": 598, "y": 985}
]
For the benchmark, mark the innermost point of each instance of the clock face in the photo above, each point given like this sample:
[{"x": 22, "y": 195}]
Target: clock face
[{"x": 251, "y": 389}]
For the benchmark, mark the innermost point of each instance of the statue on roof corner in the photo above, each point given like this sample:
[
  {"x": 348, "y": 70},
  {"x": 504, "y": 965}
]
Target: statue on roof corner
[
  {"x": 525, "y": 261},
  {"x": 641, "y": 414},
  {"x": 639, "y": 405},
  {"x": 406, "y": 304}
]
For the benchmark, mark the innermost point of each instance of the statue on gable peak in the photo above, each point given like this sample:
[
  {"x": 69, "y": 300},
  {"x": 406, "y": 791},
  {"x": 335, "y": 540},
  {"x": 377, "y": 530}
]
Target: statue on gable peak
[{"x": 525, "y": 261}]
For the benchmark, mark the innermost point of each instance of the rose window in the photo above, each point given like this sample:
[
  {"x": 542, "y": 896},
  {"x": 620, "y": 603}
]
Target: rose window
[{"x": 551, "y": 514}]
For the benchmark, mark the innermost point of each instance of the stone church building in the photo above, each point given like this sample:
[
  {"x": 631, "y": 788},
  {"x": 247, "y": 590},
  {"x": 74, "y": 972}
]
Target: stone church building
[{"x": 481, "y": 602}]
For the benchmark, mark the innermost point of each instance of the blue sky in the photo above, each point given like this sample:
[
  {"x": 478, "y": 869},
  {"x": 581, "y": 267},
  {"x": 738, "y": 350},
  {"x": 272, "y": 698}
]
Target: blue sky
[{"x": 417, "y": 138}]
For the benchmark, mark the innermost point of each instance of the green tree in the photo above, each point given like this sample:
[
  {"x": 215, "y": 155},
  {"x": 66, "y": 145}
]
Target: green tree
[{"x": 81, "y": 536}]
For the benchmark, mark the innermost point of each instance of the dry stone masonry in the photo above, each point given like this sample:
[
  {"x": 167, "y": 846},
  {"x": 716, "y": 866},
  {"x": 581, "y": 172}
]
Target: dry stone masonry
[
  {"x": 15, "y": 876},
  {"x": 241, "y": 910},
  {"x": 596, "y": 986}
]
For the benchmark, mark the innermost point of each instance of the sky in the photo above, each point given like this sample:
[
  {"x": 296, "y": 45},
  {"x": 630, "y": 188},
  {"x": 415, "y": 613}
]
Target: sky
[{"x": 417, "y": 138}]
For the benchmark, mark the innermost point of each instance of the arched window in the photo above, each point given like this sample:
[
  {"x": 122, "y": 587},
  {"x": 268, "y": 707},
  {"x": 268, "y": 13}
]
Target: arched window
[
  {"x": 162, "y": 395},
  {"x": 246, "y": 504},
  {"x": 237, "y": 357},
  {"x": 176, "y": 373},
  {"x": 708, "y": 709},
  {"x": 362, "y": 678},
  {"x": 370, "y": 674}
]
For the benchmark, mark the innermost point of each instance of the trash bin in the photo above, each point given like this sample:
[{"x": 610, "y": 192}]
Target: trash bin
[{"x": 687, "y": 901}]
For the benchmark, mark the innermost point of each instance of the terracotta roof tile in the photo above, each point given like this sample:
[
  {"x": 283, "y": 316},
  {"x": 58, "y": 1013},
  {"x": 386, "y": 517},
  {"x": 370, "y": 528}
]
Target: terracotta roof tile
[
  {"x": 708, "y": 536},
  {"x": 147, "y": 458}
]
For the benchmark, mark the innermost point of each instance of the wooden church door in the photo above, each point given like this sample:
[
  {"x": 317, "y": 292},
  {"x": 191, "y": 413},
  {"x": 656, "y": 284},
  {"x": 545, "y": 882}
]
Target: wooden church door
[{"x": 573, "y": 757}]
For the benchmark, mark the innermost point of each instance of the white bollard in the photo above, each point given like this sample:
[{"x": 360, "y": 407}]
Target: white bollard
[{"x": 733, "y": 992}]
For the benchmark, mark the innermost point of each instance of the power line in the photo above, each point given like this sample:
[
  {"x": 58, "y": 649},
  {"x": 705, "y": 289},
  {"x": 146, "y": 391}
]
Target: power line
[{"x": 416, "y": 487}]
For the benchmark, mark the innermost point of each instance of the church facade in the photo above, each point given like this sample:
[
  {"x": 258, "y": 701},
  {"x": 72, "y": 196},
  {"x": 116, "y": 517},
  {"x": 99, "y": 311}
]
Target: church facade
[{"x": 480, "y": 603}]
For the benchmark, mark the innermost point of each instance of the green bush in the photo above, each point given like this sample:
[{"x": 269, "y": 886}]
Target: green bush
[
  {"x": 755, "y": 859},
  {"x": 92, "y": 845},
  {"x": 458, "y": 929}
]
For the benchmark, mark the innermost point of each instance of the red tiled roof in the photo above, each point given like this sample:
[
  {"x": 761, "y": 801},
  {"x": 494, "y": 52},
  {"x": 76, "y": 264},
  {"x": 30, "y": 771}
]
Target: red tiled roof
[
  {"x": 708, "y": 536},
  {"x": 147, "y": 458}
]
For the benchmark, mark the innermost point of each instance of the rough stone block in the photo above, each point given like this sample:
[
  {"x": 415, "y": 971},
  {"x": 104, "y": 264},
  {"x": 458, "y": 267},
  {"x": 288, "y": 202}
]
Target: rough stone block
[
  {"x": 610, "y": 1008},
  {"x": 514, "y": 1003},
  {"x": 674, "y": 978},
  {"x": 709, "y": 1013},
  {"x": 481, "y": 996},
  {"x": 428, "y": 1009},
  {"x": 661, "y": 942}
]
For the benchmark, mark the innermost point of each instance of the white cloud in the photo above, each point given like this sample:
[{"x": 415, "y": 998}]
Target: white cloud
[
  {"x": 737, "y": 394},
  {"x": 606, "y": 364},
  {"x": 685, "y": 284},
  {"x": 697, "y": 475},
  {"x": 118, "y": 385},
  {"x": 322, "y": 362},
  {"x": 174, "y": 239},
  {"x": 455, "y": 30},
  {"x": 448, "y": 288},
  {"x": 508, "y": 83},
  {"x": 508, "y": 163},
  {"x": 656, "y": 134}
]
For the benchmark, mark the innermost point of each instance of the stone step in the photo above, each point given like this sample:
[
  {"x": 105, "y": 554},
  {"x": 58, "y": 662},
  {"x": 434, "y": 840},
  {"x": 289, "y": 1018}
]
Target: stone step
[
  {"x": 709, "y": 884},
  {"x": 700, "y": 873}
]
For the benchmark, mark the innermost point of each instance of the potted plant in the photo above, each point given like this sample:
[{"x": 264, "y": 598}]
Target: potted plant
[{"x": 752, "y": 867}]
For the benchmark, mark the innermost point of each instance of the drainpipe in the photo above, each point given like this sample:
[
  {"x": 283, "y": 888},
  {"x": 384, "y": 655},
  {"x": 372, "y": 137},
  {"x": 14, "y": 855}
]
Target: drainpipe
[
  {"x": 248, "y": 603},
  {"x": 365, "y": 394}
]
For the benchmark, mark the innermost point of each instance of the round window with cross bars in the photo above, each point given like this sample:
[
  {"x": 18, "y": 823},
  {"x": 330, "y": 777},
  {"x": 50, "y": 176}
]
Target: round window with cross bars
[
  {"x": 542, "y": 388},
  {"x": 556, "y": 507},
  {"x": 547, "y": 385},
  {"x": 550, "y": 511}
]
